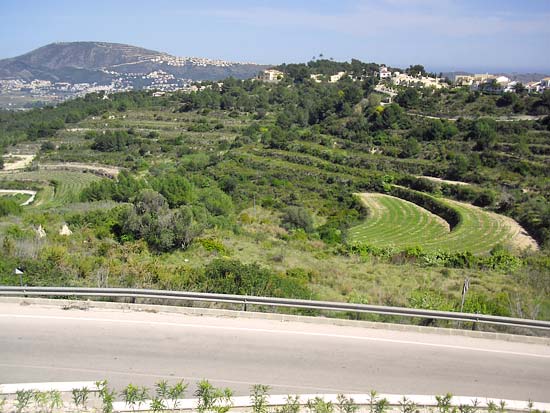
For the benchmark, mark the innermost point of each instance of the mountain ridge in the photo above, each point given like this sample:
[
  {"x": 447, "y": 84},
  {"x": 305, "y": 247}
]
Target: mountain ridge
[{"x": 102, "y": 60}]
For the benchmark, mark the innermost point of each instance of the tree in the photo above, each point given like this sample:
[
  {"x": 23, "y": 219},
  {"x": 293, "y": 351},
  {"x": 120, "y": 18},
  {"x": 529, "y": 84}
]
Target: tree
[
  {"x": 408, "y": 98},
  {"x": 295, "y": 217},
  {"x": 416, "y": 70},
  {"x": 216, "y": 201},
  {"x": 507, "y": 99},
  {"x": 483, "y": 132},
  {"x": 176, "y": 189},
  {"x": 519, "y": 88},
  {"x": 409, "y": 148},
  {"x": 163, "y": 229}
]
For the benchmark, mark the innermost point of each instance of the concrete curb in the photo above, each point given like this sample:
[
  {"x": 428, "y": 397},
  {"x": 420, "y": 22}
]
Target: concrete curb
[
  {"x": 244, "y": 403},
  {"x": 210, "y": 312},
  {"x": 63, "y": 386}
]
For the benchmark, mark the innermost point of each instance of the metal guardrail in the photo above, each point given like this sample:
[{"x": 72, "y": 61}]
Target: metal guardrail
[{"x": 246, "y": 300}]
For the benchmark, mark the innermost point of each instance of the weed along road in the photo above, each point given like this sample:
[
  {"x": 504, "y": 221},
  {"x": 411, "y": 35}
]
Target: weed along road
[{"x": 43, "y": 343}]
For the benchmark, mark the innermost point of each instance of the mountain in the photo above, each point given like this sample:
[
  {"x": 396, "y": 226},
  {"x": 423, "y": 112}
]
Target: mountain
[{"x": 101, "y": 63}]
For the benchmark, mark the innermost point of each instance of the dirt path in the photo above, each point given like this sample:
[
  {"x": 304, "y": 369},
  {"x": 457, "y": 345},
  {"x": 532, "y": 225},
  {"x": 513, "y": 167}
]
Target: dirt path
[
  {"x": 443, "y": 181},
  {"x": 510, "y": 118},
  {"x": 21, "y": 191},
  {"x": 102, "y": 170},
  {"x": 20, "y": 161}
]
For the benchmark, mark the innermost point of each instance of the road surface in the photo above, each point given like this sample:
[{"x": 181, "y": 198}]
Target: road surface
[{"x": 41, "y": 343}]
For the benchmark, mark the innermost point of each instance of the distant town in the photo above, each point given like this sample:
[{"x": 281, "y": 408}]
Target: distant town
[
  {"x": 38, "y": 92},
  {"x": 55, "y": 92},
  {"x": 88, "y": 67}
]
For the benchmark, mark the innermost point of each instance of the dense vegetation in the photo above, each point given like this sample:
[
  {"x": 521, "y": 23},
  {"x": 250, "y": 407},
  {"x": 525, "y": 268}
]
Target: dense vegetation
[{"x": 247, "y": 187}]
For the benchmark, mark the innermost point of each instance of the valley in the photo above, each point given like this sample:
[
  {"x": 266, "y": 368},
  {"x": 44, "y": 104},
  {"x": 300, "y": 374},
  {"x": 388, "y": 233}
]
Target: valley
[{"x": 292, "y": 189}]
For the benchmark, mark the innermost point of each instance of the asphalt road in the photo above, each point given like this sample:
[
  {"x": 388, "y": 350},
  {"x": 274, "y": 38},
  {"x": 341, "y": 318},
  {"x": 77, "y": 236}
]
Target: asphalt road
[{"x": 41, "y": 343}]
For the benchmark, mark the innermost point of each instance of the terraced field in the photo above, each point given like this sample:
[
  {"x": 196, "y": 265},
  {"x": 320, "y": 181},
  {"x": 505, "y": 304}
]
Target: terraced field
[
  {"x": 60, "y": 187},
  {"x": 394, "y": 222}
]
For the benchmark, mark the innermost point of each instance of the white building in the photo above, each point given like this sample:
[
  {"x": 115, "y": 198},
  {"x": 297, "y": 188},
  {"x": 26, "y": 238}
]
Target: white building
[
  {"x": 404, "y": 79},
  {"x": 384, "y": 73},
  {"x": 533, "y": 87},
  {"x": 270, "y": 75},
  {"x": 510, "y": 86},
  {"x": 335, "y": 78}
]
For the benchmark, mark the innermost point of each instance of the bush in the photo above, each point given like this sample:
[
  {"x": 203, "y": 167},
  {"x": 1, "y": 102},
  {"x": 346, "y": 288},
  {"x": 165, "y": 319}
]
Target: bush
[
  {"x": 297, "y": 218},
  {"x": 9, "y": 207},
  {"x": 47, "y": 146},
  {"x": 163, "y": 229},
  {"x": 233, "y": 277}
]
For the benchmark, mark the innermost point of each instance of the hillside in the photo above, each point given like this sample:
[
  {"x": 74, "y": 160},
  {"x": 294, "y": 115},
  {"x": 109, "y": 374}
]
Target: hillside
[
  {"x": 85, "y": 55},
  {"x": 42, "y": 75},
  {"x": 53, "y": 61},
  {"x": 248, "y": 188}
]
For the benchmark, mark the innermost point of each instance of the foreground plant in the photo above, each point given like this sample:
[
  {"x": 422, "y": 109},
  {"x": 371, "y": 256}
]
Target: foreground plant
[
  {"x": 158, "y": 405},
  {"x": 23, "y": 399},
  {"x": 106, "y": 395},
  {"x": 377, "y": 405},
  {"x": 318, "y": 405},
  {"x": 41, "y": 400},
  {"x": 212, "y": 398},
  {"x": 292, "y": 405},
  {"x": 259, "y": 397},
  {"x": 466, "y": 408},
  {"x": 346, "y": 405},
  {"x": 80, "y": 398},
  {"x": 173, "y": 393},
  {"x": 161, "y": 389},
  {"x": 407, "y": 406},
  {"x": 55, "y": 401},
  {"x": 131, "y": 395},
  {"x": 176, "y": 392},
  {"x": 444, "y": 403}
]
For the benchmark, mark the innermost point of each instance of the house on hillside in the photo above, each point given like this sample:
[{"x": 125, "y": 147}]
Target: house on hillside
[
  {"x": 404, "y": 79},
  {"x": 384, "y": 73},
  {"x": 533, "y": 87},
  {"x": 335, "y": 78},
  {"x": 270, "y": 75},
  {"x": 316, "y": 77},
  {"x": 464, "y": 80},
  {"x": 510, "y": 87}
]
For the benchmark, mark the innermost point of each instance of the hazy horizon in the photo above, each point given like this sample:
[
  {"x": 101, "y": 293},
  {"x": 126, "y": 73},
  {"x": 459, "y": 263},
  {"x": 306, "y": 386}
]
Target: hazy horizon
[{"x": 443, "y": 35}]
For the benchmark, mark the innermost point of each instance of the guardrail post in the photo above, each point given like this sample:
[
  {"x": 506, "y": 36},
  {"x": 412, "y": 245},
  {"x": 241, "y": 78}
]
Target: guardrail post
[{"x": 244, "y": 305}]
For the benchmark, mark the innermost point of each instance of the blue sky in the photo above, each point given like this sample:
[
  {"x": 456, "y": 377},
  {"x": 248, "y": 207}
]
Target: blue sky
[{"x": 477, "y": 35}]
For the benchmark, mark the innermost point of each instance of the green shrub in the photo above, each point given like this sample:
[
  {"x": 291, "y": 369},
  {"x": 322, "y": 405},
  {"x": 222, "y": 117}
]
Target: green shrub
[
  {"x": 163, "y": 229},
  {"x": 213, "y": 245},
  {"x": 297, "y": 218},
  {"x": 481, "y": 304},
  {"x": 429, "y": 300},
  {"x": 233, "y": 277},
  {"x": 9, "y": 207}
]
